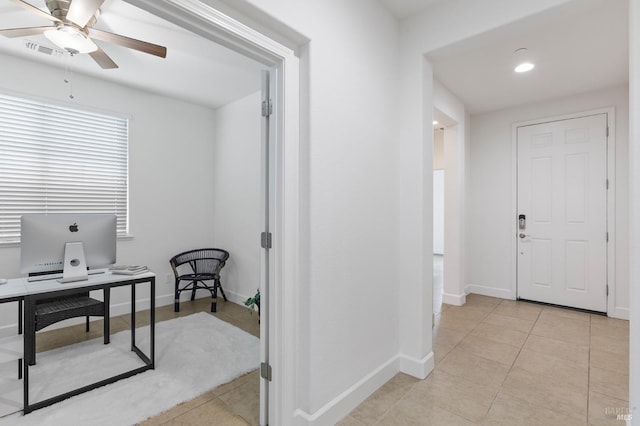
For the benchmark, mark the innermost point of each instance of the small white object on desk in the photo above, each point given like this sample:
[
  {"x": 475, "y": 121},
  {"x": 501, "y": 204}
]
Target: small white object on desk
[
  {"x": 3, "y": 281},
  {"x": 128, "y": 269}
]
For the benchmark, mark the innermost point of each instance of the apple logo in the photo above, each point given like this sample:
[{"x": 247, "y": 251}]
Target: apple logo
[{"x": 73, "y": 228}]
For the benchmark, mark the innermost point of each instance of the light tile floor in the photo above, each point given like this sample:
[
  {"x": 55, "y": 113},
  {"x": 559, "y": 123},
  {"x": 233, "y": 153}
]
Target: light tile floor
[
  {"x": 502, "y": 362},
  {"x": 498, "y": 362},
  {"x": 234, "y": 403}
]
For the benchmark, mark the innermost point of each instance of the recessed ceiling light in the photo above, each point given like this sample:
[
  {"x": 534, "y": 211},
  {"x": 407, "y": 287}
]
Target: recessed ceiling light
[
  {"x": 523, "y": 60},
  {"x": 435, "y": 122},
  {"x": 524, "y": 67}
]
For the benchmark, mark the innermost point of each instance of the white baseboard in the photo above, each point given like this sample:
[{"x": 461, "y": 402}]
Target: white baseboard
[
  {"x": 343, "y": 404},
  {"x": 490, "y": 291},
  {"x": 347, "y": 401},
  {"x": 235, "y": 297},
  {"x": 418, "y": 368},
  {"x": 231, "y": 296},
  {"x": 619, "y": 313},
  {"x": 8, "y": 330},
  {"x": 454, "y": 299}
]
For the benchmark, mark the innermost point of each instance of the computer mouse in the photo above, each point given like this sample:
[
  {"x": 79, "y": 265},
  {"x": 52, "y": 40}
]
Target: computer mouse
[{"x": 3, "y": 280}]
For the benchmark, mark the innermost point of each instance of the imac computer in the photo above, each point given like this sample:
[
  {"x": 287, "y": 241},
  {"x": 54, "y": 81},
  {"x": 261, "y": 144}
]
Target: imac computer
[{"x": 67, "y": 242}]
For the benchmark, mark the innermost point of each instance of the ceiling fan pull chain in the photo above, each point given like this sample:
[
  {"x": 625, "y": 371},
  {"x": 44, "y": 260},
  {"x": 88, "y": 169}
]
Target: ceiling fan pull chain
[{"x": 68, "y": 73}]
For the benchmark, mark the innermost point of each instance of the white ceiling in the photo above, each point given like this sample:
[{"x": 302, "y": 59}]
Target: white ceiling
[
  {"x": 195, "y": 69},
  {"x": 578, "y": 47},
  {"x": 404, "y": 8}
]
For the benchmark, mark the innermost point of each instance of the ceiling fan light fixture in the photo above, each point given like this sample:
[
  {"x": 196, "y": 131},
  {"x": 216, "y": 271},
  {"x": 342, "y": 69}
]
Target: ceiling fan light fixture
[{"x": 71, "y": 39}]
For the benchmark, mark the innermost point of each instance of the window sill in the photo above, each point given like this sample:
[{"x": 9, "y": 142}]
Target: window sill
[{"x": 10, "y": 244}]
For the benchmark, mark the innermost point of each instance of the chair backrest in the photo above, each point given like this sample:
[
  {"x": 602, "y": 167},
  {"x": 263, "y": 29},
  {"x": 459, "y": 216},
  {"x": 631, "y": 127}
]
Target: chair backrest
[{"x": 206, "y": 260}]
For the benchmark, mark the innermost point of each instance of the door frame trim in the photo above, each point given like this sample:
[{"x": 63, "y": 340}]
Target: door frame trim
[
  {"x": 276, "y": 46},
  {"x": 611, "y": 199}
]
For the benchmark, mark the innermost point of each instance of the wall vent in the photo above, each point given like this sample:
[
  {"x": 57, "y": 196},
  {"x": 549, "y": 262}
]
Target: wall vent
[{"x": 43, "y": 49}]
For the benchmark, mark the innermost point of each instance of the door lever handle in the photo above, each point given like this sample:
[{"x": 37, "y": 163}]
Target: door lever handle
[{"x": 523, "y": 235}]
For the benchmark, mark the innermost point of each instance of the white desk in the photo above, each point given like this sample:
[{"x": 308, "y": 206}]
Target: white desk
[
  {"x": 23, "y": 291},
  {"x": 12, "y": 289}
]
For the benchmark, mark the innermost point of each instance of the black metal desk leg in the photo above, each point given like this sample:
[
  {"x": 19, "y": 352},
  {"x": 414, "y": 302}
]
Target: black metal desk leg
[
  {"x": 107, "y": 315},
  {"x": 133, "y": 316},
  {"x": 152, "y": 325},
  {"x": 29, "y": 348},
  {"x": 20, "y": 332}
]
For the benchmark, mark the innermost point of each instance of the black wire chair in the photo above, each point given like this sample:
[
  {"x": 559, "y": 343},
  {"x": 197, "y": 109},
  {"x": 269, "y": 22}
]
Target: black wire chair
[
  {"x": 56, "y": 309},
  {"x": 196, "y": 267}
]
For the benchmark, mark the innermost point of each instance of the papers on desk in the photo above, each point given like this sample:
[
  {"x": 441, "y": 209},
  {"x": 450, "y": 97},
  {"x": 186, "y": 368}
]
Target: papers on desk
[{"x": 128, "y": 269}]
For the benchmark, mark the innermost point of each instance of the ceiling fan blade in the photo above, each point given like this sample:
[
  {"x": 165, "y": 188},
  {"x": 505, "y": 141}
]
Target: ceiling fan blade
[
  {"x": 131, "y": 43},
  {"x": 103, "y": 59},
  {"x": 23, "y": 32},
  {"x": 35, "y": 10},
  {"x": 80, "y": 11}
]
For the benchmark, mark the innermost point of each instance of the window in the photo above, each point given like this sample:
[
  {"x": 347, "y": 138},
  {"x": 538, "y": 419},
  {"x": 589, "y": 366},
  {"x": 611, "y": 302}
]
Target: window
[{"x": 55, "y": 158}]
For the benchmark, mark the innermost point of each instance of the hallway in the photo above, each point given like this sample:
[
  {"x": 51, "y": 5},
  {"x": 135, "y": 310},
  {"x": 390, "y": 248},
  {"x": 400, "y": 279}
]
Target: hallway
[{"x": 504, "y": 362}]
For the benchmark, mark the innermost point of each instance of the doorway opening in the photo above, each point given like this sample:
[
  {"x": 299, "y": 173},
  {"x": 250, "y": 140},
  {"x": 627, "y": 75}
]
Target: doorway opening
[
  {"x": 448, "y": 194},
  {"x": 279, "y": 52},
  {"x": 438, "y": 216}
]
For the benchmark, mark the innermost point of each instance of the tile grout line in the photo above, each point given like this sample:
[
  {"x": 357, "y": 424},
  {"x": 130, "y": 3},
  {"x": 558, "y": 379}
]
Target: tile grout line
[
  {"x": 513, "y": 363},
  {"x": 587, "y": 423},
  {"x": 434, "y": 368},
  {"x": 455, "y": 346},
  {"x": 463, "y": 337},
  {"x": 393, "y": 405},
  {"x": 493, "y": 401}
]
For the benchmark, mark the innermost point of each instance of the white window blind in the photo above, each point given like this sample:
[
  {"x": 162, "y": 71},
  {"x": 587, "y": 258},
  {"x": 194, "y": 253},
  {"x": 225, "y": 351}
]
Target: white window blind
[{"x": 56, "y": 159}]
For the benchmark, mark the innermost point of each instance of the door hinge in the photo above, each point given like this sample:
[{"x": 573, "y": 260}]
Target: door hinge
[
  {"x": 607, "y": 289},
  {"x": 265, "y": 371},
  {"x": 607, "y": 183},
  {"x": 267, "y": 108},
  {"x": 607, "y": 131},
  {"x": 265, "y": 240},
  {"x": 607, "y": 237}
]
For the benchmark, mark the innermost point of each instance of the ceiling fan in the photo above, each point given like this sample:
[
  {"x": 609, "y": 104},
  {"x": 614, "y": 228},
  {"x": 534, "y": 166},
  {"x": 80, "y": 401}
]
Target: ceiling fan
[{"x": 73, "y": 30}]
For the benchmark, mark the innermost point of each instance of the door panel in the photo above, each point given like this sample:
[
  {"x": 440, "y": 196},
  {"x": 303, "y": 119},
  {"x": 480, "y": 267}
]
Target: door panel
[
  {"x": 562, "y": 251},
  {"x": 267, "y": 205},
  {"x": 541, "y": 183},
  {"x": 576, "y": 261},
  {"x": 576, "y": 182},
  {"x": 541, "y": 258}
]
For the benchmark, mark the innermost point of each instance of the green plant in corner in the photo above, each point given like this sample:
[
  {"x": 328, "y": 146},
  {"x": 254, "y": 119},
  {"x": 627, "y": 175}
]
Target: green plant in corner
[{"x": 254, "y": 302}]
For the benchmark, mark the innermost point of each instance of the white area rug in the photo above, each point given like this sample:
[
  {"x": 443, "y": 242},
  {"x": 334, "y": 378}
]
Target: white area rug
[{"x": 193, "y": 355}]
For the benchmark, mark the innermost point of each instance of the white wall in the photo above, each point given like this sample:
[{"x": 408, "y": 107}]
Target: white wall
[
  {"x": 489, "y": 195},
  {"x": 348, "y": 325},
  {"x": 438, "y": 191},
  {"x": 438, "y": 149},
  {"x": 634, "y": 202},
  {"x": 454, "y": 190},
  {"x": 236, "y": 187},
  {"x": 338, "y": 111},
  {"x": 438, "y": 211},
  {"x": 170, "y": 148},
  {"x": 440, "y": 25}
]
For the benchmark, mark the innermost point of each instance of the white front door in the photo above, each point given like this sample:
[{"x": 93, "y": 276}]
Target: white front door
[{"x": 562, "y": 208}]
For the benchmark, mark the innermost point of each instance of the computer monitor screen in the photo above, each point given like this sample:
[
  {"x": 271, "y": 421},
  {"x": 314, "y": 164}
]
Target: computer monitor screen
[{"x": 44, "y": 238}]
